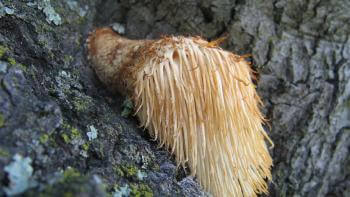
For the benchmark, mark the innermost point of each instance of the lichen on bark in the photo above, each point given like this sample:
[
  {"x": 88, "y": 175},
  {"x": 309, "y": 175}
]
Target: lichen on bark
[{"x": 300, "y": 49}]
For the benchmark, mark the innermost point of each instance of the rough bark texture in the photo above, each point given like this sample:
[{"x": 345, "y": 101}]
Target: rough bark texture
[{"x": 50, "y": 99}]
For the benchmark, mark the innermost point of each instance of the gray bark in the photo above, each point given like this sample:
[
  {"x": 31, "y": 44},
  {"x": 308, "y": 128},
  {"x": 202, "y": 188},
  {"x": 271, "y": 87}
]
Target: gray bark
[{"x": 50, "y": 98}]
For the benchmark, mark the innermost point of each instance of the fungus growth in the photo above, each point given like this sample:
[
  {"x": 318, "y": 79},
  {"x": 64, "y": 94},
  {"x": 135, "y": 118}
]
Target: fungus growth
[{"x": 197, "y": 100}]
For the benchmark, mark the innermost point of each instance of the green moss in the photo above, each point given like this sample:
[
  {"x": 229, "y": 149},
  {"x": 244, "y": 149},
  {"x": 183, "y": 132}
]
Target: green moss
[
  {"x": 81, "y": 104},
  {"x": 347, "y": 103},
  {"x": 11, "y": 61},
  {"x": 68, "y": 194},
  {"x": 75, "y": 133},
  {"x": 119, "y": 171},
  {"x": 128, "y": 171},
  {"x": 80, "y": 20},
  {"x": 51, "y": 54},
  {"x": 21, "y": 66},
  {"x": 52, "y": 140},
  {"x": 67, "y": 189},
  {"x": 68, "y": 59},
  {"x": 4, "y": 153},
  {"x": 2, "y": 120},
  {"x": 141, "y": 190},
  {"x": 42, "y": 43},
  {"x": 3, "y": 50},
  {"x": 66, "y": 125},
  {"x": 70, "y": 133},
  {"x": 65, "y": 137},
  {"x": 70, "y": 173},
  {"x": 72, "y": 183},
  {"x": 44, "y": 138},
  {"x": 85, "y": 146},
  {"x": 115, "y": 187}
]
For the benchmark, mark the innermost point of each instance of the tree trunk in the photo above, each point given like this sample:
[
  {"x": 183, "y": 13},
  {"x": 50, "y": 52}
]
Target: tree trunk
[{"x": 55, "y": 112}]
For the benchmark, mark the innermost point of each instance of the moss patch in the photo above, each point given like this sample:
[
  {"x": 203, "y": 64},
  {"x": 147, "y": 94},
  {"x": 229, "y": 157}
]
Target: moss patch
[
  {"x": 44, "y": 138},
  {"x": 75, "y": 133},
  {"x": 70, "y": 173},
  {"x": 128, "y": 171},
  {"x": 2, "y": 120},
  {"x": 65, "y": 138},
  {"x": 71, "y": 184},
  {"x": 21, "y": 66},
  {"x": 4, "y": 153},
  {"x": 347, "y": 103},
  {"x": 70, "y": 133},
  {"x": 85, "y": 146},
  {"x": 11, "y": 61},
  {"x": 141, "y": 190},
  {"x": 3, "y": 50},
  {"x": 81, "y": 104},
  {"x": 119, "y": 171}
]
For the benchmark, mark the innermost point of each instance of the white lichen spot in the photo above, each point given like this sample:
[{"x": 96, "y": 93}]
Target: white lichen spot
[
  {"x": 83, "y": 153},
  {"x": 97, "y": 179},
  {"x": 3, "y": 67},
  {"x": 122, "y": 191},
  {"x": 50, "y": 13},
  {"x": 141, "y": 175},
  {"x": 92, "y": 134},
  {"x": 9, "y": 11},
  {"x": 73, "y": 5},
  {"x": 119, "y": 28},
  {"x": 31, "y": 4},
  {"x": 19, "y": 173},
  {"x": 5, "y": 10},
  {"x": 64, "y": 74}
]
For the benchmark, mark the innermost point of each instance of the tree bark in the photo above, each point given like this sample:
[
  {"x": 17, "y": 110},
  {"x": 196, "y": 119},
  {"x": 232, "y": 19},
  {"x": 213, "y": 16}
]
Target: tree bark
[{"x": 51, "y": 102}]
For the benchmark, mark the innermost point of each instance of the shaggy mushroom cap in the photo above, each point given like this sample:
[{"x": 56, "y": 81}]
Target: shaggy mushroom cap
[{"x": 197, "y": 100}]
